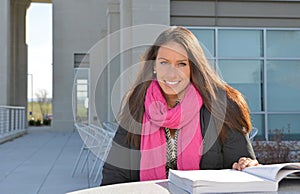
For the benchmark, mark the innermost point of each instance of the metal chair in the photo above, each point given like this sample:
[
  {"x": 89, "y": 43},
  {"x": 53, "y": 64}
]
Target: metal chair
[
  {"x": 100, "y": 150},
  {"x": 253, "y": 133},
  {"x": 110, "y": 126},
  {"x": 85, "y": 138},
  {"x": 96, "y": 143}
]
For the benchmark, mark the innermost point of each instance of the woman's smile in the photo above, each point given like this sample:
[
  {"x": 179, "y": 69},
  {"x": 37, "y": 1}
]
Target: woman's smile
[{"x": 171, "y": 83}]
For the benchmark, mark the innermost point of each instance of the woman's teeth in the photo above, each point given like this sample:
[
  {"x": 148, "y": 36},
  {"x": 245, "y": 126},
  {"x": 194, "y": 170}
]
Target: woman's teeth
[{"x": 172, "y": 83}]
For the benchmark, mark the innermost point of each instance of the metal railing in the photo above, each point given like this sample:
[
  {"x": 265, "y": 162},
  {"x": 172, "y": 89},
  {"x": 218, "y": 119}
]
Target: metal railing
[{"x": 12, "y": 122}]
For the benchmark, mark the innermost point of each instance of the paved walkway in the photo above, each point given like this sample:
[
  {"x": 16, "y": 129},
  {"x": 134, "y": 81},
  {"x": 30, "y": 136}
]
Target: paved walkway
[{"x": 41, "y": 162}]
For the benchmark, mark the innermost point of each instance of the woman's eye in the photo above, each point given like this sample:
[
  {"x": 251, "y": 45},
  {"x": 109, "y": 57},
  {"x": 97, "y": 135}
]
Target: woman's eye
[
  {"x": 163, "y": 62},
  {"x": 182, "y": 64}
]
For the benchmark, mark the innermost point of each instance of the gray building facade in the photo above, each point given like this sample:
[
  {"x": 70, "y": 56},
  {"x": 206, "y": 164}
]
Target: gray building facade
[{"x": 97, "y": 45}]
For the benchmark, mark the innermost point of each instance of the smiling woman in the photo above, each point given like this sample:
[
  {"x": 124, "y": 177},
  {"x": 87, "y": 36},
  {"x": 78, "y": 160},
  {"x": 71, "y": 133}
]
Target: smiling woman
[{"x": 179, "y": 115}]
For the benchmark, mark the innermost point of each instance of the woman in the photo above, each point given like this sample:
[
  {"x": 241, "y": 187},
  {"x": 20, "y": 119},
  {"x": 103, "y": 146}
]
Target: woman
[{"x": 179, "y": 115}]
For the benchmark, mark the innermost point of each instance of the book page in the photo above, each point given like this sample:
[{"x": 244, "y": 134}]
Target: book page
[
  {"x": 284, "y": 172},
  {"x": 226, "y": 180},
  {"x": 270, "y": 172},
  {"x": 204, "y": 177}
]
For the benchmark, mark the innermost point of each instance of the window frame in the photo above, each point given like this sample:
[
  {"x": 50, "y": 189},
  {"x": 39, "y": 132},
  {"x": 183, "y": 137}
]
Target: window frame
[{"x": 265, "y": 113}]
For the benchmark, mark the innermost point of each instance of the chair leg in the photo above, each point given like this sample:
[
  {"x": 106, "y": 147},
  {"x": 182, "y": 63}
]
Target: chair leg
[
  {"x": 78, "y": 159},
  {"x": 107, "y": 146},
  {"x": 100, "y": 168},
  {"x": 85, "y": 161},
  {"x": 93, "y": 167}
]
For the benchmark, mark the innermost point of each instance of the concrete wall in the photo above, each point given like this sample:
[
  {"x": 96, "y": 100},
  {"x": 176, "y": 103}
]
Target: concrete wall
[
  {"x": 13, "y": 53},
  {"x": 82, "y": 26},
  {"x": 4, "y": 50},
  {"x": 93, "y": 27},
  {"x": 140, "y": 22},
  {"x": 18, "y": 53},
  {"x": 77, "y": 27},
  {"x": 236, "y": 13},
  {"x": 141, "y": 13},
  {"x": 119, "y": 50}
]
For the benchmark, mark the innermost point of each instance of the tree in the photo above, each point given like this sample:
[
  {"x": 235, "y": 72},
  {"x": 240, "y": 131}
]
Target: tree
[{"x": 43, "y": 102}]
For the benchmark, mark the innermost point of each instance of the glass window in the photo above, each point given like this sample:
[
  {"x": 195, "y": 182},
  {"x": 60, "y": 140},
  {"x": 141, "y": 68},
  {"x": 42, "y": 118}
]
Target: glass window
[
  {"x": 81, "y": 60},
  {"x": 82, "y": 81},
  {"x": 206, "y": 38},
  {"x": 245, "y": 76},
  {"x": 81, "y": 74},
  {"x": 82, "y": 88},
  {"x": 81, "y": 94},
  {"x": 283, "y": 43},
  {"x": 240, "y": 43},
  {"x": 258, "y": 121},
  {"x": 239, "y": 54},
  {"x": 283, "y": 85},
  {"x": 287, "y": 124}
]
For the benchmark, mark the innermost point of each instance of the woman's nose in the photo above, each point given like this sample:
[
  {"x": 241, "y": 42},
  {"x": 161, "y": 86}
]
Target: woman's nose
[{"x": 172, "y": 71}]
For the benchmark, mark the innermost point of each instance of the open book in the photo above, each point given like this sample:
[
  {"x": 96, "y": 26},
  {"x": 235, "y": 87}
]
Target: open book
[{"x": 261, "y": 178}]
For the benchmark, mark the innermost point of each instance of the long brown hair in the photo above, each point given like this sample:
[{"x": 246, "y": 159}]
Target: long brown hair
[{"x": 227, "y": 105}]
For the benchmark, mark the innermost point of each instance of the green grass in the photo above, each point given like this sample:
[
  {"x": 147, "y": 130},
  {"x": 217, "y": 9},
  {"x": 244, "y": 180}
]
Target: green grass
[{"x": 36, "y": 110}]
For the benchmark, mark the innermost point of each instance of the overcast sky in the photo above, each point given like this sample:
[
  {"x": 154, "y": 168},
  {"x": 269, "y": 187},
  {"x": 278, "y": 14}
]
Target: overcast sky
[{"x": 39, "y": 41}]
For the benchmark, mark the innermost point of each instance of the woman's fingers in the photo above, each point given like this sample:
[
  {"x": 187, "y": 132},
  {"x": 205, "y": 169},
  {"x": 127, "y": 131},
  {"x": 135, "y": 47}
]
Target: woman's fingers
[
  {"x": 253, "y": 163},
  {"x": 243, "y": 163},
  {"x": 235, "y": 166}
]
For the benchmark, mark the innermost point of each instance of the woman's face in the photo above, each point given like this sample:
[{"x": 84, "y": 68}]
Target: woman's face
[{"x": 172, "y": 69}]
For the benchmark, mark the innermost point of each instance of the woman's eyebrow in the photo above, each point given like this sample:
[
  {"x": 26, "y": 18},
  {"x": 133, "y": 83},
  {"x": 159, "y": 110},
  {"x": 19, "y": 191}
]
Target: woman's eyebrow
[
  {"x": 162, "y": 58},
  {"x": 181, "y": 60}
]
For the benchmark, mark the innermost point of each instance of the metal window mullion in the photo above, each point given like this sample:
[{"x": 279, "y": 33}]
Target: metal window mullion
[
  {"x": 241, "y": 58},
  {"x": 286, "y": 112},
  {"x": 265, "y": 59},
  {"x": 265, "y": 98},
  {"x": 241, "y": 28},
  {"x": 284, "y": 58},
  {"x": 257, "y": 112}
]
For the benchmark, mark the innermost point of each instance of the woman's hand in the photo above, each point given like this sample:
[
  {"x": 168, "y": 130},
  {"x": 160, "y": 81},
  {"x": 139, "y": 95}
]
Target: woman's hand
[{"x": 243, "y": 163}]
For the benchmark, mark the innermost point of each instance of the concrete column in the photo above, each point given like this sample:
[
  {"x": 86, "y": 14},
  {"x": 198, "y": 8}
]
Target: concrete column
[
  {"x": 113, "y": 35},
  {"x": 125, "y": 42},
  {"x": 156, "y": 12},
  {"x": 150, "y": 12},
  {"x": 98, "y": 81},
  {"x": 18, "y": 57},
  {"x": 105, "y": 68},
  {"x": 141, "y": 22},
  {"x": 4, "y": 50},
  {"x": 77, "y": 27}
]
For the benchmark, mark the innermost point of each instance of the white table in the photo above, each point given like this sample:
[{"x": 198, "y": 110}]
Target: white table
[{"x": 286, "y": 186}]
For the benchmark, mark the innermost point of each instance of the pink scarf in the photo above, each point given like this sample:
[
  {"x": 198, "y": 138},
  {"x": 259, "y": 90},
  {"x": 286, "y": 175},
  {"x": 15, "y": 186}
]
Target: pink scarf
[{"x": 185, "y": 117}]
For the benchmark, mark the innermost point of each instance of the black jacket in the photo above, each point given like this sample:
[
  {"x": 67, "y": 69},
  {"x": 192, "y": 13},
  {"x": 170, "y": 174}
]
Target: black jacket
[{"x": 123, "y": 161}]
